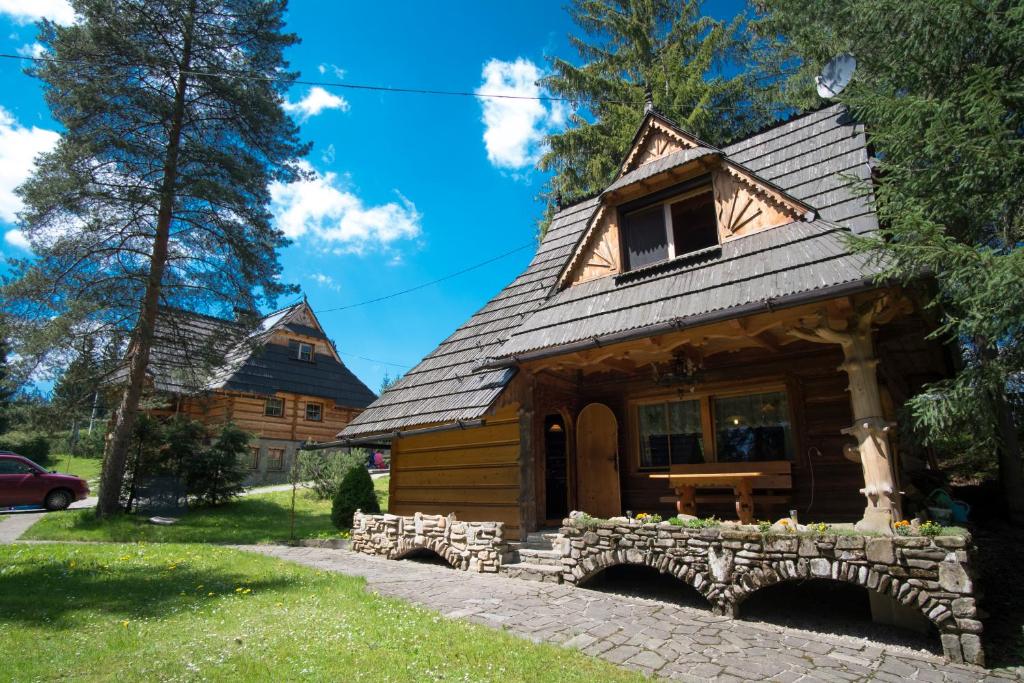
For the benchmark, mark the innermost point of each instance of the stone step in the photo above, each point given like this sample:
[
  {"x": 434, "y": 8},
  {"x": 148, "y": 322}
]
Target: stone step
[
  {"x": 533, "y": 572},
  {"x": 537, "y": 556},
  {"x": 542, "y": 537}
]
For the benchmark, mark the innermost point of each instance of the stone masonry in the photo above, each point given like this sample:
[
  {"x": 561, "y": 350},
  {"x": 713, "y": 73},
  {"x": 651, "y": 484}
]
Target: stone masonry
[
  {"x": 724, "y": 564},
  {"x": 727, "y": 565},
  {"x": 470, "y": 546}
]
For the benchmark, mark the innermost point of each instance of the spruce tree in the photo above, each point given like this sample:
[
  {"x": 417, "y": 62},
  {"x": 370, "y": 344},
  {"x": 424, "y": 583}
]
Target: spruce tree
[
  {"x": 157, "y": 193},
  {"x": 632, "y": 49},
  {"x": 940, "y": 88}
]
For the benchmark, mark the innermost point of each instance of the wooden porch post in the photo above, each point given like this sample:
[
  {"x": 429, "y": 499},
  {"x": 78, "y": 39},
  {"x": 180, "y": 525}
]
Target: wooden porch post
[{"x": 869, "y": 427}]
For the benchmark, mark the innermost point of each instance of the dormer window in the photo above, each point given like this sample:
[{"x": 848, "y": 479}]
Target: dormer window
[
  {"x": 301, "y": 350},
  {"x": 668, "y": 224}
]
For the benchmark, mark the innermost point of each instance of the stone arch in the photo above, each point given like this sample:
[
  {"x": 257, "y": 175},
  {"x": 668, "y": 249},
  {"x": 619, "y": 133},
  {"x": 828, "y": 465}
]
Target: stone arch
[
  {"x": 406, "y": 546},
  {"x": 747, "y": 583},
  {"x": 590, "y": 566}
]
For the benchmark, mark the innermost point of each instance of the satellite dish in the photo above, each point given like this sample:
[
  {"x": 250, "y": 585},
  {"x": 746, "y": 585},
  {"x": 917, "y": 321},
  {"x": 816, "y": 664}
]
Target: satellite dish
[{"x": 836, "y": 75}]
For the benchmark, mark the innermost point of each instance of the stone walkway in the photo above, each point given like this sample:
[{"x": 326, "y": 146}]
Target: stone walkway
[{"x": 660, "y": 639}]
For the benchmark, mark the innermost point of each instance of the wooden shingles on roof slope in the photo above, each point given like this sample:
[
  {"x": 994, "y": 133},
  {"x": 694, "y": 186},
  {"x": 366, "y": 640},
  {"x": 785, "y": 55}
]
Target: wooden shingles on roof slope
[
  {"x": 188, "y": 343},
  {"x": 815, "y": 158},
  {"x": 446, "y": 386}
]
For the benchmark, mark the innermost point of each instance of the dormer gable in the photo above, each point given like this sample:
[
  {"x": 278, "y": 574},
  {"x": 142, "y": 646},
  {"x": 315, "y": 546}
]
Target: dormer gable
[
  {"x": 656, "y": 138},
  {"x": 674, "y": 195}
]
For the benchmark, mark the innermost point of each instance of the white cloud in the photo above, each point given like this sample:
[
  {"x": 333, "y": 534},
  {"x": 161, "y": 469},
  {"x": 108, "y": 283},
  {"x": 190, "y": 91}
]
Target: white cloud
[
  {"x": 16, "y": 238},
  {"x": 34, "y": 50},
  {"x": 27, "y": 11},
  {"x": 322, "y": 208},
  {"x": 327, "y": 156},
  {"x": 315, "y": 101},
  {"x": 325, "y": 280},
  {"x": 514, "y": 129},
  {"x": 19, "y": 146},
  {"x": 338, "y": 72}
]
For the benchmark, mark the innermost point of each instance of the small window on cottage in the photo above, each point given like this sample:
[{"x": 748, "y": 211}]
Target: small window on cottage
[
  {"x": 275, "y": 459},
  {"x": 753, "y": 428},
  {"x": 314, "y": 412},
  {"x": 669, "y": 228},
  {"x": 254, "y": 458},
  {"x": 274, "y": 407},
  {"x": 304, "y": 351}
]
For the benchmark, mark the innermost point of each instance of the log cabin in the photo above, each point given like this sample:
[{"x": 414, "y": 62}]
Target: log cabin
[
  {"x": 700, "y": 337},
  {"x": 285, "y": 382}
]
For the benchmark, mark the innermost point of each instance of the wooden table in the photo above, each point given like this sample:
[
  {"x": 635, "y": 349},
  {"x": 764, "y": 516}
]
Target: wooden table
[{"x": 742, "y": 484}]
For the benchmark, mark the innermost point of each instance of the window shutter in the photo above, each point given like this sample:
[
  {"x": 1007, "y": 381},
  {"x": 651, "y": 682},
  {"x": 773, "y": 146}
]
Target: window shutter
[{"x": 293, "y": 348}]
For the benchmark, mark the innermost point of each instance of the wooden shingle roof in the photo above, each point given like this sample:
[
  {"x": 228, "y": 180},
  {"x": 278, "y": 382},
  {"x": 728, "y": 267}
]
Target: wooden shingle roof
[{"x": 816, "y": 158}]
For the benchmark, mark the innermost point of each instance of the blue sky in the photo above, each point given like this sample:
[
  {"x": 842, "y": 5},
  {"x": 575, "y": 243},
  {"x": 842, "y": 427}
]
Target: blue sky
[{"x": 407, "y": 188}]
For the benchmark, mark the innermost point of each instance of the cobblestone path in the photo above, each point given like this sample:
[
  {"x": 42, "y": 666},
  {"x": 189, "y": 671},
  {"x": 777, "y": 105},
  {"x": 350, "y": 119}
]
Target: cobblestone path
[{"x": 657, "y": 638}]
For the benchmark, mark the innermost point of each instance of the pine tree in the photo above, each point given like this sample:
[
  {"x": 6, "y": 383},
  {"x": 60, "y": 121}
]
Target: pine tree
[
  {"x": 157, "y": 193},
  {"x": 631, "y": 49},
  {"x": 940, "y": 87}
]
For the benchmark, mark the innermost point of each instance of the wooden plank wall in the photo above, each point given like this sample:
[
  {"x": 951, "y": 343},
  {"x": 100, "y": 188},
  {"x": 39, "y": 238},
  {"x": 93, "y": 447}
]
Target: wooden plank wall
[
  {"x": 247, "y": 412},
  {"x": 473, "y": 473}
]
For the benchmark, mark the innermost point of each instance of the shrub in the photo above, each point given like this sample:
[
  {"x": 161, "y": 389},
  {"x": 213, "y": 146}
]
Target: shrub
[
  {"x": 326, "y": 469},
  {"x": 214, "y": 475},
  {"x": 35, "y": 448},
  {"x": 355, "y": 493},
  {"x": 705, "y": 523},
  {"x": 92, "y": 445}
]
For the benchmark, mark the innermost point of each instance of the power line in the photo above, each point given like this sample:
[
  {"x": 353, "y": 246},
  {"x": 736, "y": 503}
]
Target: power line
[
  {"x": 383, "y": 88},
  {"x": 449, "y": 276},
  {"x": 374, "y": 360}
]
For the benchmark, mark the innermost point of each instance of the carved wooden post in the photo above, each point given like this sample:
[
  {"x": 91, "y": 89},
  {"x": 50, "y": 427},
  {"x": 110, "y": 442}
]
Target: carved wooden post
[{"x": 869, "y": 428}]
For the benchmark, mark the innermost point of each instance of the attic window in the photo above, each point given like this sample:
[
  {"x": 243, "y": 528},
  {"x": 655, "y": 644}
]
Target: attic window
[
  {"x": 302, "y": 351},
  {"x": 663, "y": 229}
]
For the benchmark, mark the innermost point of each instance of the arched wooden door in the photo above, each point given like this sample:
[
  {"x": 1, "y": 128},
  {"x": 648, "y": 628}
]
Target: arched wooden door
[{"x": 597, "y": 458}]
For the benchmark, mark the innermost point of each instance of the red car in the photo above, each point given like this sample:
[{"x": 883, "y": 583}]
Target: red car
[{"x": 22, "y": 482}]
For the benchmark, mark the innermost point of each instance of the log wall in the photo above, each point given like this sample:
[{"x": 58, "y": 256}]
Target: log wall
[{"x": 473, "y": 473}]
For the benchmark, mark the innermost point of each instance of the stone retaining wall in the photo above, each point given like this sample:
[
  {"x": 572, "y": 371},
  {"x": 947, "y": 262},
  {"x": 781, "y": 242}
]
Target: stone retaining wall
[
  {"x": 931, "y": 575},
  {"x": 471, "y": 546},
  {"x": 724, "y": 564}
]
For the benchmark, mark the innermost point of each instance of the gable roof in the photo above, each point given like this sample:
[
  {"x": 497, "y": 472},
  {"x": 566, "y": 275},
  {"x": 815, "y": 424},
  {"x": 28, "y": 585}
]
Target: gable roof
[
  {"x": 185, "y": 342},
  {"x": 815, "y": 158}
]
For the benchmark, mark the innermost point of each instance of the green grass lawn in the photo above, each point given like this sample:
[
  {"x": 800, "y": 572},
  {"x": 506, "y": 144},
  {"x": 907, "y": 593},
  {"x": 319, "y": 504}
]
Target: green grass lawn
[
  {"x": 381, "y": 487},
  {"x": 189, "y": 612},
  {"x": 86, "y": 468},
  {"x": 261, "y": 518}
]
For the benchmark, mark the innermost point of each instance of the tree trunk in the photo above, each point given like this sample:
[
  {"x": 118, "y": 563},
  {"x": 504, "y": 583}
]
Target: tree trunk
[{"x": 124, "y": 420}]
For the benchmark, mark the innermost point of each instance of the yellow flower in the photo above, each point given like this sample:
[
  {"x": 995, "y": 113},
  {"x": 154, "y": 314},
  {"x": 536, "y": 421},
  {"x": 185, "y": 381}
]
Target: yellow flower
[{"x": 124, "y": 623}]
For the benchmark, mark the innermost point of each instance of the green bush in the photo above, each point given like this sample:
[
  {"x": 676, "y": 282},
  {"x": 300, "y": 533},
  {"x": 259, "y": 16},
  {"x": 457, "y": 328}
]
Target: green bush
[
  {"x": 326, "y": 469},
  {"x": 214, "y": 475},
  {"x": 35, "y": 448},
  {"x": 355, "y": 493}
]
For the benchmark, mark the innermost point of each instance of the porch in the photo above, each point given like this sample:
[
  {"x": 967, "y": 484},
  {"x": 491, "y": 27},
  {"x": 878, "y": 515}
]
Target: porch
[{"x": 746, "y": 419}]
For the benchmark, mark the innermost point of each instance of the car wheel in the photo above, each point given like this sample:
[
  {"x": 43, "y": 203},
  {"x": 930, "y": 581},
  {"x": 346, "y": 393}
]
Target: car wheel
[{"x": 57, "y": 500}]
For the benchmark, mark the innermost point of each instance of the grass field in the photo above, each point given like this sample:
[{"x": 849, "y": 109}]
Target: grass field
[
  {"x": 188, "y": 612},
  {"x": 86, "y": 468},
  {"x": 259, "y": 518}
]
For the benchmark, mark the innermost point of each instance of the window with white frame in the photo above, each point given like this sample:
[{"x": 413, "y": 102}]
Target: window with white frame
[
  {"x": 664, "y": 228},
  {"x": 274, "y": 407},
  {"x": 304, "y": 351},
  {"x": 314, "y": 412}
]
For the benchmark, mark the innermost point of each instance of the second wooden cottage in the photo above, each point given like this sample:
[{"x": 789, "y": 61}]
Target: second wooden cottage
[{"x": 285, "y": 382}]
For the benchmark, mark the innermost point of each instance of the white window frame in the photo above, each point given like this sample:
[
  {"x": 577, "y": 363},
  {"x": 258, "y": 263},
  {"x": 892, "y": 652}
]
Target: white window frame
[
  {"x": 303, "y": 346},
  {"x": 320, "y": 411},
  {"x": 266, "y": 405}
]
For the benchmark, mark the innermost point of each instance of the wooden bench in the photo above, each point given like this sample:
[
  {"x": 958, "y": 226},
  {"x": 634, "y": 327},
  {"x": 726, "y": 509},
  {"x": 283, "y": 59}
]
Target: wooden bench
[{"x": 742, "y": 477}]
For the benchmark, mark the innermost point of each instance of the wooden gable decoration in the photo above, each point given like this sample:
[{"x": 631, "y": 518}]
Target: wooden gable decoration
[
  {"x": 656, "y": 139},
  {"x": 744, "y": 205}
]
